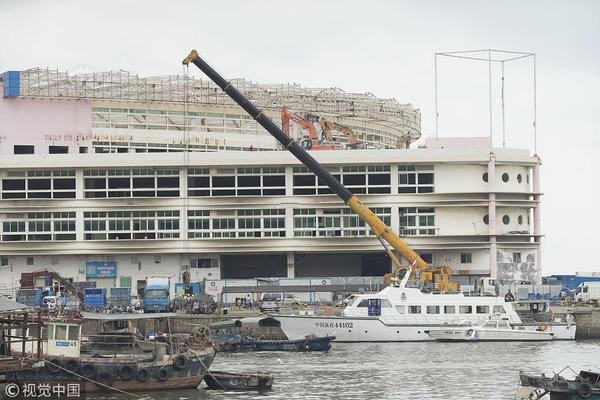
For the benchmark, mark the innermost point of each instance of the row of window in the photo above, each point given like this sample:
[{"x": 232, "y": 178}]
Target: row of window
[
  {"x": 39, "y": 226},
  {"x": 436, "y": 309},
  {"x": 506, "y": 177}
]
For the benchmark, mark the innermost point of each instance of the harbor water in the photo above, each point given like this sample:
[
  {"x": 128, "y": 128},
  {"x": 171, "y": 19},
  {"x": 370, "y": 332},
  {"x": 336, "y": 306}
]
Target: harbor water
[{"x": 425, "y": 370}]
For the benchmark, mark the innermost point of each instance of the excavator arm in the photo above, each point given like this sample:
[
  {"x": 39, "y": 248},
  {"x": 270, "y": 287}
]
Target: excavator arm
[{"x": 383, "y": 232}]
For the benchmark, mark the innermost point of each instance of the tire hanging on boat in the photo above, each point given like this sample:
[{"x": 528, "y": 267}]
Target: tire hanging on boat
[
  {"x": 162, "y": 374},
  {"x": 584, "y": 390},
  {"x": 105, "y": 378},
  {"x": 53, "y": 365},
  {"x": 88, "y": 371},
  {"x": 125, "y": 373},
  {"x": 142, "y": 375},
  {"x": 72, "y": 364},
  {"x": 180, "y": 362}
]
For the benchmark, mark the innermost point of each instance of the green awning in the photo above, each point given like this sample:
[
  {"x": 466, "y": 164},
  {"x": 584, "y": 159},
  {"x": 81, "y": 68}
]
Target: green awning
[{"x": 229, "y": 324}]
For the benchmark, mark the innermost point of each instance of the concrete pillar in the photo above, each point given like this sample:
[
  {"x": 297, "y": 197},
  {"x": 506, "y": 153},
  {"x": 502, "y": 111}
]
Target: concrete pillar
[
  {"x": 291, "y": 266},
  {"x": 537, "y": 223},
  {"x": 492, "y": 215}
]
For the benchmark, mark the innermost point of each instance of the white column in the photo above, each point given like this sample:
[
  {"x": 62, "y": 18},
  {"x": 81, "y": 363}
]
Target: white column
[
  {"x": 537, "y": 223},
  {"x": 492, "y": 215},
  {"x": 291, "y": 266}
]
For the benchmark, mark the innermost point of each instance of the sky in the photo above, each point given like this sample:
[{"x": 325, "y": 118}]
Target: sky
[{"x": 383, "y": 47}]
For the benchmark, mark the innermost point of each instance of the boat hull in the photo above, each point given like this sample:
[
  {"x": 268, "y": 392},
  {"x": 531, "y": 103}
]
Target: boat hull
[
  {"x": 217, "y": 380},
  {"x": 482, "y": 335},
  {"x": 375, "y": 329}
]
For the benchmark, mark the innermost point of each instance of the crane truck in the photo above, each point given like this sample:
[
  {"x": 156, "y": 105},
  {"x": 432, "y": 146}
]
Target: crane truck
[{"x": 440, "y": 276}]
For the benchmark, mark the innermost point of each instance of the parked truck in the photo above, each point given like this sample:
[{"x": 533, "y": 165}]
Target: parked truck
[
  {"x": 157, "y": 294},
  {"x": 588, "y": 292}
]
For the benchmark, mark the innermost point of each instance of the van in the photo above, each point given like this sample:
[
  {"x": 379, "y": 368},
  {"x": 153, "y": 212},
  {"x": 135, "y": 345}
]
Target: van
[
  {"x": 50, "y": 302},
  {"x": 588, "y": 292},
  {"x": 275, "y": 300}
]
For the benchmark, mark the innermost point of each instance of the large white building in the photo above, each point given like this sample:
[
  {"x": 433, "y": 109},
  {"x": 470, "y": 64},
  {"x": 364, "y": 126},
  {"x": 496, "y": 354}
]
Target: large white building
[{"x": 97, "y": 185}]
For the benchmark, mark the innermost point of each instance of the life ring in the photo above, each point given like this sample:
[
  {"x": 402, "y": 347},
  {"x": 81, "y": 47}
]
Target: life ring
[
  {"x": 72, "y": 364},
  {"x": 162, "y": 374},
  {"x": 88, "y": 371},
  {"x": 53, "y": 365},
  {"x": 584, "y": 390},
  {"x": 105, "y": 378},
  {"x": 179, "y": 362},
  {"x": 125, "y": 373},
  {"x": 542, "y": 327},
  {"x": 328, "y": 311},
  {"x": 468, "y": 333},
  {"x": 142, "y": 375},
  {"x": 509, "y": 297}
]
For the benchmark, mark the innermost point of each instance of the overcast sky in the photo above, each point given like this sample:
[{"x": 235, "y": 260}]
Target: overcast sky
[{"x": 382, "y": 47}]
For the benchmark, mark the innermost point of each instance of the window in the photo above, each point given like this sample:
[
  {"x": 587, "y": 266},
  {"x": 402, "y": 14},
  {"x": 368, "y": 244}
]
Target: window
[
  {"x": 417, "y": 221},
  {"x": 400, "y": 309},
  {"x": 482, "y": 309},
  {"x": 414, "y": 309},
  {"x": 157, "y": 259},
  {"x": 23, "y": 149},
  {"x": 433, "y": 309},
  {"x": 516, "y": 257},
  {"x": 385, "y": 303},
  {"x": 73, "y": 332},
  {"x": 415, "y": 179},
  {"x": 449, "y": 309},
  {"x": 201, "y": 263},
  {"x": 363, "y": 303},
  {"x": 486, "y": 219},
  {"x": 466, "y": 258},
  {"x": 83, "y": 149},
  {"x": 427, "y": 257},
  {"x": 29, "y": 260},
  {"x": 520, "y": 220},
  {"x": 505, "y": 219},
  {"x": 50, "y": 332},
  {"x": 60, "y": 332},
  {"x": 505, "y": 177},
  {"x": 499, "y": 310},
  {"x": 519, "y": 178},
  {"x": 465, "y": 309},
  {"x": 485, "y": 177},
  {"x": 58, "y": 149},
  {"x": 3, "y": 261}
]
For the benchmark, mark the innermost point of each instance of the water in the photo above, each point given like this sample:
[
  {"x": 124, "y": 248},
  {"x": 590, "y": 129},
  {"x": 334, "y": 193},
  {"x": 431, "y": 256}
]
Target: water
[{"x": 397, "y": 370}]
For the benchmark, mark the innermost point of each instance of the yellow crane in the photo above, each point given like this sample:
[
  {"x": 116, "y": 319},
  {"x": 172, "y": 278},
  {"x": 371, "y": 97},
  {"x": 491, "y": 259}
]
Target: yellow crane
[{"x": 439, "y": 276}]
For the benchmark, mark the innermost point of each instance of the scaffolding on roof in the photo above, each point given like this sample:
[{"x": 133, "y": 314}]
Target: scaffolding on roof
[{"x": 124, "y": 86}]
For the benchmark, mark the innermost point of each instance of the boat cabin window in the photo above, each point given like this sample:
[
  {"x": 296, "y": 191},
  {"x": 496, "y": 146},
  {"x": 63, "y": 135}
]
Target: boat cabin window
[
  {"x": 414, "y": 309},
  {"x": 385, "y": 303},
  {"x": 363, "y": 303},
  {"x": 449, "y": 309},
  {"x": 503, "y": 325},
  {"x": 50, "y": 331},
  {"x": 60, "y": 332},
  {"x": 465, "y": 309},
  {"x": 73, "y": 332},
  {"x": 499, "y": 310},
  {"x": 400, "y": 309},
  {"x": 491, "y": 325},
  {"x": 433, "y": 309},
  {"x": 483, "y": 309}
]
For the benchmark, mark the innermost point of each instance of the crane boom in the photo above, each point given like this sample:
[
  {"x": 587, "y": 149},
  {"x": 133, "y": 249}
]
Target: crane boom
[{"x": 379, "y": 228}]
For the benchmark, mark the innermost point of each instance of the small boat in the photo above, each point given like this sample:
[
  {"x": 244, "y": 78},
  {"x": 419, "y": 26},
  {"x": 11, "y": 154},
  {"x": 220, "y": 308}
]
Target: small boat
[
  {"x": 218, "y": 380},
  {"x": 244, "y": 343},
  {"x": 492, "y": 330},
  {"x": 585, "y": 385}
]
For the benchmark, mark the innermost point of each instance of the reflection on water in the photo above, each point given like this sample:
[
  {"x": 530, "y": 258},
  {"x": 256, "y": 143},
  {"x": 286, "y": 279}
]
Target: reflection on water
[{"x": 397, "y": 370}]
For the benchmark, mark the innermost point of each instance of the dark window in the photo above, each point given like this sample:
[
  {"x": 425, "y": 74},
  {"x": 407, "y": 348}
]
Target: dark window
[
  {"x": 427, "y": 257},
  {"x": 143, "y": 183},
  {"x": 506, "y": 220},
  {"x": 119, "y": 193},
  {"x": 13, "y": 184},
  {"x": 486, "y": 219},
  {"x": 249, "y": 192},
  {"x": 83, "y": 149},
  {"x": 201, "y": 263},
  {"x": 520, "y": 219},
  {"x": 485, "y": 177},
  {"x": 199, "y": 192},
  {"x": 39, "y": 195},
  {"x": 505, "y": 177},
  {"x": 144, "y": 193},
  {"x": 122, "y": 150},
  {"x": 118, "y": 183},
  {"x": 68, "y": 183},
  {"x": 223, "y": 181},
  {"x": 248, "y": 181},
  {"x": 466, "y": 258},
  {"x": 410, "y": 189},
  {"x": 379, "y": 179},
  {"x": 171, "y": 182},
  {"x": 273, "y": 180},
  {"x": 58, "y": 149},
  {"x": 304, "y": 180},
  {"x": 89, "y": 195},
  {"x": 223, "y": 192},
  {"x": 354, "y": 179},
  {"x": 273, "y": 192},
  {"x": 425, "y": 179},
  {"x": 304, "y": 191},
  {"x": 426, "y": 189},
  {"x": 38, "y": 184},
  {"x": 379, "y": 190},
  {"x": 29, "y": 260},
  {"x": 22, "y": 149},
  {"x": 519, "y": 178},
  {"x": 198, "y": 181},
  {"x": 517, "y": 257}
]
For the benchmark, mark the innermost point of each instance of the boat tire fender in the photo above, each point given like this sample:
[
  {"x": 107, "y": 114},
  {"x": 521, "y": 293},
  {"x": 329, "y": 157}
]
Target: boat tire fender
[
  {"x": 126, "y": 372},
  {"x": 105, "y": 378},
  {"x": 72, "y": 364},
  {"x": 509, "y": 297},
  {"x": 584, "y": 390},
  {"x": 88, "y": 371},
  {"x": 180, "y": 362},
  {"x": 53, "y": 365},
  {"x": 542, "y": 327},
  {"x": 142, "y": 375},
  {"x": 162, "y": 374}
]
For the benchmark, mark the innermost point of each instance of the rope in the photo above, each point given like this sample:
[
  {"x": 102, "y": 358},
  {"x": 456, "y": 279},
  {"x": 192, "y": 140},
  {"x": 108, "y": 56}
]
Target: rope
[
  {"x": 91, "y": 380},
  {"x": 209, "y": 373}
]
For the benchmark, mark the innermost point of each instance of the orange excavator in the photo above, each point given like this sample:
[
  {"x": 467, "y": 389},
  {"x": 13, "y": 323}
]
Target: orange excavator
[
  {"x": 313, "y": 142},
  {"x": 328, "y": 126}
]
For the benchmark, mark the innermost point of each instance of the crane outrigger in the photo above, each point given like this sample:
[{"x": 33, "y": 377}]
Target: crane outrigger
[{"x": 385, "y": 234}]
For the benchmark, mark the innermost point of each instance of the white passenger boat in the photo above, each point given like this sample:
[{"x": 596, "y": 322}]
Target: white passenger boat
[
  {"x": 399, "y": 313},
  {"x": 488, "y": 331}
]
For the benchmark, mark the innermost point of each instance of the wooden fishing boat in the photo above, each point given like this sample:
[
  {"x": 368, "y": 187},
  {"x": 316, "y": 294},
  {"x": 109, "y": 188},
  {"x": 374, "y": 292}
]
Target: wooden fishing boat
[
  {"x": 585, "y": 385},
  {"x": 244, "y": 343},
  {"x": 218, "y": 380}
]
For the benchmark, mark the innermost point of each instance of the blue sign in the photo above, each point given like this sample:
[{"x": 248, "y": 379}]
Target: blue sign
[
  {"x": 101, "y": 269},
  {"x": 63, "y": 344}
]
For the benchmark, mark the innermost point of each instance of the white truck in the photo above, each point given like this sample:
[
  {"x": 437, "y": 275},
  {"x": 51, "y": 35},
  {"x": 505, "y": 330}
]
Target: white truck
[{"x": 588, "y": 292}]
